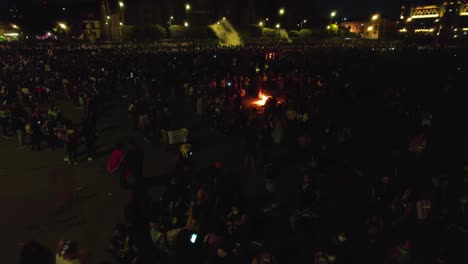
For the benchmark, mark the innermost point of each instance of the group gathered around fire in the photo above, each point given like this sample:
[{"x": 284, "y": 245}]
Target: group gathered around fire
[{"x": 366, "y": 128}]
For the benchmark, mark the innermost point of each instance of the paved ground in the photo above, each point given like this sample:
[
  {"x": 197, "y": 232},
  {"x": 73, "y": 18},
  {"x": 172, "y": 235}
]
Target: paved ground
[{"x": 39, "y": 195}]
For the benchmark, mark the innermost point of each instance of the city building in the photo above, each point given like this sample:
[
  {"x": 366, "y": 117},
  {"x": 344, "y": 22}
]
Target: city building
[
  {"x": 377, "y": 27},
  {"x": 356, "y": 27},
  {"x": 92, "y": 30},
  {"x": 440, "y": 20},
  {"x": 116, "y": 15}
]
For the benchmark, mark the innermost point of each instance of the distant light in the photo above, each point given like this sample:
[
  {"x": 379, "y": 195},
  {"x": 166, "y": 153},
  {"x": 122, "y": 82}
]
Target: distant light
[
  {"x": 121, "y": 4},
  {"x": 409, "y": 19},
  {"x": 11, "y": 34},
  {"x": 267, "y": 19},
  {"x": 107, "y": 23},
  {"x": 402, "y": 17},
  {"x": 278, "y": 25},
  {"x": 108, "y": 17},
  {"x": 281, "y": 11},
  {"x": 298, "y": 25},
  {"x": 305, "y": 20},
  {"x": 121, "y": 23},
  {"x": 187, "y": 7},
  {"x": 370, "y": 28},
  {"x": 218, "y": 23},
  {"x": 345, "y": 19},
  {"x": 172, "y": 17},
  {"x": 437, "y": 20},
  {"x": 62, "y": 26},
  {"x": 224, "y": 18},
  {"x": 14, "y": 26},
  {"x": 328, "y": 27},
  {"x": 260, "y": 23},
  {"x": 63, "y": 9},
  {"x": 375, "y": 17},
  {"x": 333, "y": 14},
  {"x": 186, "y": 24}
]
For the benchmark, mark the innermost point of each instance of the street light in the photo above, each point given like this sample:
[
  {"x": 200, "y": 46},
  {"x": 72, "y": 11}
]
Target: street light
[
  {"x": 63, "y": 26},
  {"x": 121, "y": 24},
  {"x": 260, "y": 23},
  {"x": 14, "y": 26},
  {"x": 186, "y": 24},
  {"x": 281, "y": 11},
  {"x": 224, "y": 18},
  {"x": 108, "y": 17},
  {"x": 332, "y": 15},
  {"x": 121, "y": 4},
  {"x": 375, "y": 17},
  {"x": 187, "y": 7},
  {"x": 278, "y": 25},
  {"x": 370, "y": 28}
]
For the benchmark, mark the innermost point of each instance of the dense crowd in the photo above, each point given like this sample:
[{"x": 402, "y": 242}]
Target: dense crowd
[{"x": 372, "y": 131}]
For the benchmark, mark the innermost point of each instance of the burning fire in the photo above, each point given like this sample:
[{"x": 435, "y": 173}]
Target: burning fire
[{"x": 262, "y": 98}]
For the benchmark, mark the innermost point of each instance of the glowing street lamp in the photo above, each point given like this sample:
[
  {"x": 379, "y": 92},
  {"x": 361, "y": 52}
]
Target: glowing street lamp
[
  {"x": 63, "y": 26},
  {"x": 224, "y": 18},
  {"x": 260, "y": 23},
  {"x": 187, "y": 7},
  {"x": 281, "y": 11},
  {"x": 108, "y": 17},
  {"x": 375, "y": 17},
  {"x": 333, "y": 14},
  {"x": 14, "y": 26},
  {"x": 121, "y": 24},
  {"x": 278, "y": 25},
  {"x": 328, "y": 27},
  {"x": 186, "y": 24},
  {"x": 121, "y": 4},
  {"x": 409, "y": 19},
  {"x": 370, "y": 28}
]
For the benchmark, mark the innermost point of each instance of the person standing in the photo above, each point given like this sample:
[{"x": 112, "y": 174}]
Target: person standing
[
  {"x": 71, "y": 142},
  {"x": 89, "y": 133},
  {"x": 4, "y": 116}
]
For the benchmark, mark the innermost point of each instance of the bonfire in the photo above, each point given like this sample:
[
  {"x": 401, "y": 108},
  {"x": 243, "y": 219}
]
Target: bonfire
[{"x": 262, "y": 99}]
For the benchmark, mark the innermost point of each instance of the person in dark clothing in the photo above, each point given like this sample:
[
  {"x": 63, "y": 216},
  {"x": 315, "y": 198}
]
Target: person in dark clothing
[
  {"x": 4, "y": 115},
  {"x": 71, "y": 142},
  {"x": 134, "y": 164},
  {"x": 53, "y": 141},
  {"x": 89, "y": 133},
  {"x": 36, "y": 134},
  {"x": 224, "y": 254},
  {"x": 250, "y": 135},
  {"x": 35, "y": 253}
]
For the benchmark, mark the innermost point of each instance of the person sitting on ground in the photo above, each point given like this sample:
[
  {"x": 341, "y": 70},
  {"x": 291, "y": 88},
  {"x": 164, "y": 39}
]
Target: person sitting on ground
[
  {"x": 307, "y": 201},
  {"x": 68, "y": 253}
]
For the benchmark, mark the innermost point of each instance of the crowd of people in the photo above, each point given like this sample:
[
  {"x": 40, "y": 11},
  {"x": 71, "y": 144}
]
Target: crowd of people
[{"x": 370, "y": 132}]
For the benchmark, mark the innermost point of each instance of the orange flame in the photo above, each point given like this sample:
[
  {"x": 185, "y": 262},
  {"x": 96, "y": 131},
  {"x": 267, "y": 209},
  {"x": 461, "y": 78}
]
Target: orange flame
[{"x": 262, "y": 98}]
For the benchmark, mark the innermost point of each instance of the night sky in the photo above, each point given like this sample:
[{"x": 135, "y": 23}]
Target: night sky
[{"x": 352, "y": 9}]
